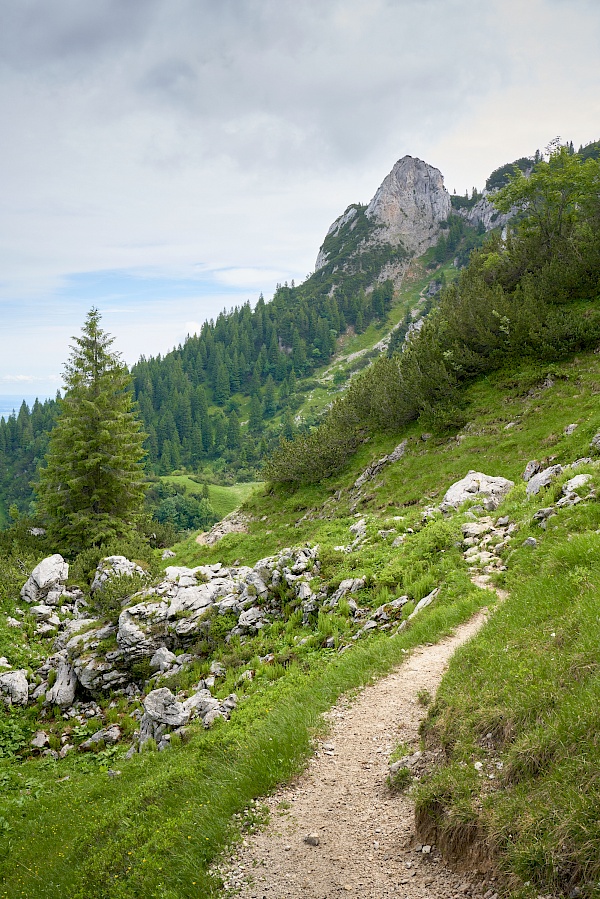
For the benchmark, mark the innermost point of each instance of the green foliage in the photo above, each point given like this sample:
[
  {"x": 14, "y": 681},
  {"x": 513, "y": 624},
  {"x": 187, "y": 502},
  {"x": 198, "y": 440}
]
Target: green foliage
[
  {"x": 109, "y": 599},
  {"x": 522, "y": 701},
  {"x": 91, "y": 488},
  {"x": 533, "y": 295},
  {"x": 172, "y": 503},
  {"x": 501, "y": 176}
]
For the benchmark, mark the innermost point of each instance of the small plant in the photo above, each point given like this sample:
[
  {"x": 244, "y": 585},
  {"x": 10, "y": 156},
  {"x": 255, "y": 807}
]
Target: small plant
[
  {"x": 400, "y": 780},
  {"x": 424, "y": 697}
]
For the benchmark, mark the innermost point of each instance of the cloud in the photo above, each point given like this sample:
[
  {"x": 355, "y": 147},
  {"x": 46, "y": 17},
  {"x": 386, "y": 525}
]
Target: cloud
[{"x": 166, "y": 143}]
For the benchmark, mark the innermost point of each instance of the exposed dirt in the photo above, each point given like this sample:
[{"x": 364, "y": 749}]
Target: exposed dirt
[{"x": 365, "y": 833}]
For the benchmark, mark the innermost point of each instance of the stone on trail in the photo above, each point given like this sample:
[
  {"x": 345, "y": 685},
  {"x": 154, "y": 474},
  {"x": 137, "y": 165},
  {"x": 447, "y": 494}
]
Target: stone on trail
[{"x": 476, "y": 485}]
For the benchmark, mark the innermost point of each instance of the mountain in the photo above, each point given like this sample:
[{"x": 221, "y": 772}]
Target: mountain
[
  {"x": 405, "y": 212},
  {"x": 151, "y": 700}
]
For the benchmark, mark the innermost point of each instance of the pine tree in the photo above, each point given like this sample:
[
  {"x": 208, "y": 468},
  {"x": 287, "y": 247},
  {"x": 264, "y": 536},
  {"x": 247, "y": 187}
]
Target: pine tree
[{"x": 92, "y": 487}]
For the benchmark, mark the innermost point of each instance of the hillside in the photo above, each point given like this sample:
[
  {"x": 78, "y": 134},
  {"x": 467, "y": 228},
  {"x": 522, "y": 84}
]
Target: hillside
[
  {"x": 217, "y": 405},
  {"x": 153, "y": 698},
  {"x": 88, "y": 849}
]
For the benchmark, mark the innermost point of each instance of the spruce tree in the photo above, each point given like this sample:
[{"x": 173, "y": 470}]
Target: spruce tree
[{"x": 92, "y": 487}]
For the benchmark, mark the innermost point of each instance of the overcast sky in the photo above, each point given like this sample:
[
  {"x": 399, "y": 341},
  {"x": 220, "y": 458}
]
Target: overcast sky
[{"x": 162, "y": 159}]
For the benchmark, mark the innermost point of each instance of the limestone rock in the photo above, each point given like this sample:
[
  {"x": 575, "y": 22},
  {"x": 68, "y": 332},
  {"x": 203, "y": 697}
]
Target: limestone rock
[
  {"x": 530, "y": 469},
  {"x": 426, "y": 601},
  {"x": 542, "y": 479},
  {"x": 62, "y": 693},
  {"x": 108, "y": 735},
  {"x": 162, "y": 708},
  {"x": 485, "y": 213},
  {"x": 410, "y": 204},
  {"x": 48, "y": 574},
  {"x": 40, "y": 740},
  {"x": 234, "y": 523},
  {"x": 14, "y": 687},
  {"x": 489, "y": 490},
  {"x": 580, "y": 480},
  {"x": 251, "y": 618},
  {"x": 112, "y": 566},
  {"x": 375, "y": 467},
  {"x": 162, "y": 659}
]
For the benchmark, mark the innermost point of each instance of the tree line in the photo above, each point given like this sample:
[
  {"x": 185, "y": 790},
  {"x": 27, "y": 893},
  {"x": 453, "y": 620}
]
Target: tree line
[{"x": 533, "y": 293}]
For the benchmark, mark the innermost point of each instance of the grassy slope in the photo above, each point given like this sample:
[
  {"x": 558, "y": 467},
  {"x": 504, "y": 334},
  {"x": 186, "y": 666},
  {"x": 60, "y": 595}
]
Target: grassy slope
[
  {"x": 222, "y": 498},
  {"x": 152, "y": 830}
]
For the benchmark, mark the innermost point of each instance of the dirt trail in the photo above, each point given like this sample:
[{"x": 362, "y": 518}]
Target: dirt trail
[{"x": 366, "y": 845}]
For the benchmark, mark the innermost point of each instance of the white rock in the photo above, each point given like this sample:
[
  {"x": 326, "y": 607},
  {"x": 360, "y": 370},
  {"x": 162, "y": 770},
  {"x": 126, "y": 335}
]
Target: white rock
[
  {"x": 580, "y": 480},
  {"x": 162, "y": 659},
  {"x": 14, "y": 687},
  {"x": 112, "y": 566},
  {"x": 251, "y": 617},
  {"x": 162, "y": 708},
  {"x": 62, "y": 692},
  {"x": 542, "y": 479},
  {"x": 40, "y": 739},
  {"x": 51, "y": 571},
  {"x": 426, "y": 601},
  {"x": 476, "y": 485}
]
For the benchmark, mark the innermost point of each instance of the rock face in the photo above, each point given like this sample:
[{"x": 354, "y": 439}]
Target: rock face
[
  {"x": 406, "y": 210},
  {"x": 410, "y": 204},
  {"x": 485, "y": 213}
]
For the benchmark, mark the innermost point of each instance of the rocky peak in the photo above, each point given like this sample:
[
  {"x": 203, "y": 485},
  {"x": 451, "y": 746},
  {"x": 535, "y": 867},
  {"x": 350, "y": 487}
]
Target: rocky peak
[
  {"x": 410, "y": 204},
  {"x": 406, "y": 212}
]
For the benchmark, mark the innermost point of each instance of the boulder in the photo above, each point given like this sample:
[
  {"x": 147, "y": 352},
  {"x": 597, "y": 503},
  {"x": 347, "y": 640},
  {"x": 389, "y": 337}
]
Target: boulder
[
  {"x": 48, "y": 574},
  {"x": 107, "y": 735},
  {"x": 161, "y": 707},
  {"x": 40, "y": 740},
  {"x": 542, "y": 479},
  {"x": 580, "y": 480},
  {"x": 490, "y": 491},
  {"x": 595, "y": 444},
  {"x": 14, "y": 687},
  {"x": 113, "y": 566},
  {"x": 359, "y": 529},
  {"x": 530, "y": 469},
  {"x": 426, "y": 601},
  {"x": 251, "y": 618},
  {"x": 62, "y": 692},
  {"x": 162, "y": 659}
]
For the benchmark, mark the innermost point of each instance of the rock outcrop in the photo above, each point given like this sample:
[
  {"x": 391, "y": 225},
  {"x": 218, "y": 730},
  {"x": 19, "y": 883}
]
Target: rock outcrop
[
  {"x": 406, "y": 212},
  {"x": 489, "y": 491},
  {"x": 410, "y": 204}
]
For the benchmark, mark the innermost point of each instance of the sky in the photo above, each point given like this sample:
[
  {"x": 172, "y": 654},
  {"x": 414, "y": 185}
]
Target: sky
[{"x": 165, "y": 159}]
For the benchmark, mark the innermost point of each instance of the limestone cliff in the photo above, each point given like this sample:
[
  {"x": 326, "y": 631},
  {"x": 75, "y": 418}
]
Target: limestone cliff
[
  {"x": 405, "y": 212},
  {"x": 410, "y": 204}
]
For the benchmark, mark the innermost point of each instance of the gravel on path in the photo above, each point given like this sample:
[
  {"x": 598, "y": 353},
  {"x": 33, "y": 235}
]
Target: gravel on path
[{"x": 339, "y": 830}]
